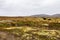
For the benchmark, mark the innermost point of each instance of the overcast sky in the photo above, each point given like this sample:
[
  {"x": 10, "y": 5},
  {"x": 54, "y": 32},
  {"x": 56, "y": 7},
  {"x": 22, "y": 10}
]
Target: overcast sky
[{"x": 28, "y": 7}]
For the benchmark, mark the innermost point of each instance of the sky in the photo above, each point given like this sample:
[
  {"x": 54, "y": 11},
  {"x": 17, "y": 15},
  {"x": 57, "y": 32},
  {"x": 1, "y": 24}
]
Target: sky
[{"x": 29, "y": 7}]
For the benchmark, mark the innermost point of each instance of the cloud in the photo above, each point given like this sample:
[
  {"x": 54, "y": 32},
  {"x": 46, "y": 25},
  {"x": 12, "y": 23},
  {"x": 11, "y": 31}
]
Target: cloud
[
  {"x": 29, "y": 7},
  {"x": 48, "y": 2}
]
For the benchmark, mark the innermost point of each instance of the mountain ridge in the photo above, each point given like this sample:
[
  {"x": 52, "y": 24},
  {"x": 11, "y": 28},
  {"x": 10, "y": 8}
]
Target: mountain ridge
[
  {"x": 46, "y": 15},
  {"x": 37, "y": 15}
]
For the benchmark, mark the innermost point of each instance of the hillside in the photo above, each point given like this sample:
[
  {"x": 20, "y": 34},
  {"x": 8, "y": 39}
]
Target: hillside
[{"x": 29, "y": 28}]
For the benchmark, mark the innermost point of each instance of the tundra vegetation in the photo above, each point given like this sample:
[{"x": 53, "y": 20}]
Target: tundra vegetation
[{"x": 29, "y": 28}]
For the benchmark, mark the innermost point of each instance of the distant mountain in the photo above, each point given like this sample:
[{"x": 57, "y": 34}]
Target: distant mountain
[
  {"x": 38, "y": 15},
  {"x": 56, "y": 15},
  {"x": 45, "y": 15},
  {"x": 41, "y": 15}
]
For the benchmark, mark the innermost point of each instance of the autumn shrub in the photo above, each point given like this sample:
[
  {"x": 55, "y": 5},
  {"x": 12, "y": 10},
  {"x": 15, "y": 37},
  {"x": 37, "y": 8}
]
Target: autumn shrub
[{"x": 54, "y": 26}]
